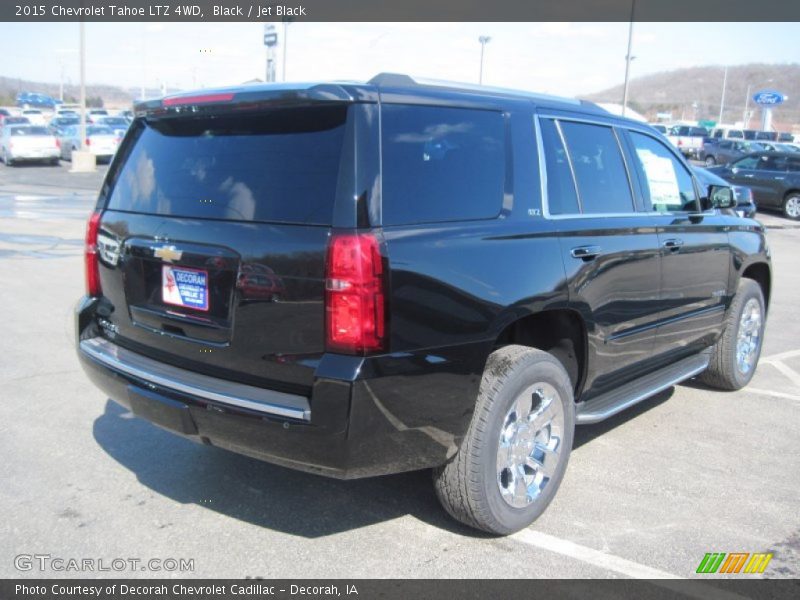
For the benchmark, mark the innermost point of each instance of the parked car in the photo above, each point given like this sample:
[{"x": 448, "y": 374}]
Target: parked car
[
  {"x": 724, "y": 151},
  {"x": 92, "y": 115},
  {"x": 771, "y": 136},
  {"x": 35, "y": 100},
  {"x": 100, "y": 141},
  {"x": 662, "y": 129},
  {"x": 4, "y": 112},
  {"x": 35, "y": 116},
  {"x": 57, "y": 124},
  {"x": 27, "y": 143},
  {"x": 688, "y": 139},
  {"x": 785, "y": 137},
  {"x": 774, "y": 178},
  {"x": 8, "y": 121},
  {"x": 448, "y": 318},
  {"x": 119, "y": 125},
  {"x": 726, "y": 133},
  {"x": 778, "y": 147},
  {"x": 745, "y": 203}
]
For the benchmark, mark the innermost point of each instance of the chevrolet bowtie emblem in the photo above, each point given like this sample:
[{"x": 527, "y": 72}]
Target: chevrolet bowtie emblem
[{"x": 168, "y": 253}]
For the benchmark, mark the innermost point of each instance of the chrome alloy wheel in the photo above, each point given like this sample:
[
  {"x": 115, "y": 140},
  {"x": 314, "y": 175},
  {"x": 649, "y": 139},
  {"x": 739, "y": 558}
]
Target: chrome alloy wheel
[
  {"x": 749, "y": 336},
  {"x": 793, "y": 207},
  {"x": 529, "y": 449}
]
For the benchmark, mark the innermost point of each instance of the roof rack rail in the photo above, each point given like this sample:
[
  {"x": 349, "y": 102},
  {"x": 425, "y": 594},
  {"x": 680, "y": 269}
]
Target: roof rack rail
[{"x": 402, "y": 80}]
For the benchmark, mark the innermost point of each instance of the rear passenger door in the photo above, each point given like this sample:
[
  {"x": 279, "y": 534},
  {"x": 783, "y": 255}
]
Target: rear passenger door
[
  {"x": 695, "y": 252},
  {"x": 609, "y": 250}
]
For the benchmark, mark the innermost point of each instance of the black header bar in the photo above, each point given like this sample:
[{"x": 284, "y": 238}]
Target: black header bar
[{"x": 399, "y": 10}]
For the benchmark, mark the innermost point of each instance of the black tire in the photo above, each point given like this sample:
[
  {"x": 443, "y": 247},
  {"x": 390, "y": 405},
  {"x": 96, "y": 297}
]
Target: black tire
[
  {"x": 723, "y": 371},
  {"x": 791, "y": 206},
  {"x": 468, "y": 486},
  {"x": 710, "y": 161}
]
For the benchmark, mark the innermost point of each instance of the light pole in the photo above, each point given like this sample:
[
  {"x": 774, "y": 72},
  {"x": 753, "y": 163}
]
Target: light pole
[
  {"x": 745, "y": 116},
  {"x": 722, "y": 102},
  {"x": 484, "y": 39},
  {"x": 628, "y": 59},
  {"x": 83, "y": 83},
  {"x": 286, "y": 22}
]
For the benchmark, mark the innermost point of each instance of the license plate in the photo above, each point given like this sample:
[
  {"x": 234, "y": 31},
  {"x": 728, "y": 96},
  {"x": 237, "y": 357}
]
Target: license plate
[{"x": 184, "y": 287}]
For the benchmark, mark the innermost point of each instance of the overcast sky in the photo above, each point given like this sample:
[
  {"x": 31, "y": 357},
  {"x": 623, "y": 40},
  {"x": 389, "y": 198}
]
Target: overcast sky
[{"x": 559, "y": 58}]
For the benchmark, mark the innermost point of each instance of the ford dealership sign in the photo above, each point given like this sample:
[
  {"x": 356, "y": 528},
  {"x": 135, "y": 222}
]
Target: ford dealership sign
[{"x": 769, "y": 98}]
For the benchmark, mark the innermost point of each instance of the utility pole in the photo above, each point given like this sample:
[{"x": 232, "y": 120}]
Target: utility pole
[
  {"x": 628, "y": 59},
  {"x": 722, "y": 102},
  {"x": 484, "y": 39}
]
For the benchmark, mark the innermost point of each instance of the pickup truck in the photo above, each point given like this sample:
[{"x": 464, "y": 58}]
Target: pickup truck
[
  {"x": 358, "y": 279},
  {"x": 688, "y": 140}
]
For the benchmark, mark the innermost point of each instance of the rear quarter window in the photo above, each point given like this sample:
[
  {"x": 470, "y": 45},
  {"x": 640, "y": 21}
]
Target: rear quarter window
[{"x": 441, "y": 164}]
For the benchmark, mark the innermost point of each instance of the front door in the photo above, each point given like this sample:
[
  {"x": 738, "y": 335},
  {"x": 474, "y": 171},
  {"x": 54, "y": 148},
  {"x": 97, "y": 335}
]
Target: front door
[{"x": 695, "y": 253}]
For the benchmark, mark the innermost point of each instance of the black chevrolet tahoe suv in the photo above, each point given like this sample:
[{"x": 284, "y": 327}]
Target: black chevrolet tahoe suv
[{"x": 360, "y": 279}]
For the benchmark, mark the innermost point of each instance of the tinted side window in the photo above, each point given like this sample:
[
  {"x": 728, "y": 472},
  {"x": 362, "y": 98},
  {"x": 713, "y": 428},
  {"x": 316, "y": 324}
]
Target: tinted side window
[
  {"x": 561, "y": 195},
  {"x": 600, "y": 174},
  {"x": 748, "y": 162},
  {"x": 669, "y": 186},
  {"x": 793, "y": 164},
  {"x": 441, "y": 164}
]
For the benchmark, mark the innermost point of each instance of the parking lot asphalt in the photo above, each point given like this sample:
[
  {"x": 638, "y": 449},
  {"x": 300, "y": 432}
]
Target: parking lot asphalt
[{"x": 647, "y": 493}]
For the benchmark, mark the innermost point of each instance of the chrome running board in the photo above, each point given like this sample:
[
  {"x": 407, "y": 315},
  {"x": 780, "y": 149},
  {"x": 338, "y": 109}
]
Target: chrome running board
[{"x": 610, "y": 403}]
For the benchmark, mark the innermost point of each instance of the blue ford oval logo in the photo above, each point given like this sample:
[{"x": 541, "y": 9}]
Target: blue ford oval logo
[{"x": 769, "y": 98}]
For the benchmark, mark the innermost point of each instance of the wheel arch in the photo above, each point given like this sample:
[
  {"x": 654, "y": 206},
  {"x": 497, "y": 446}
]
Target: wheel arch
[
  {"x": 762, "y": 275},
  {"x": 559, "y": 331}
]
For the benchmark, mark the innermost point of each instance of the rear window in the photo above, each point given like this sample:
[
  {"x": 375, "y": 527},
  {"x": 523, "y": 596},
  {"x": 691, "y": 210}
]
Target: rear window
[
  {"x": 98, "y": 131},
  {"x": 441, "y": 164},
  {"x": 279, "y": 166},
  {"x": 20, "y": 131}
]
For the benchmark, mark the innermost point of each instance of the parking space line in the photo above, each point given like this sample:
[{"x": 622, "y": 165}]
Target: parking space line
[
  {"x": 763, "y": 392},
  {"x": 620, "y": 565},
  {"x": 781, "y": 356},
  {"x": 790, "y": 373},
  {"x": 594, "y": 557}
]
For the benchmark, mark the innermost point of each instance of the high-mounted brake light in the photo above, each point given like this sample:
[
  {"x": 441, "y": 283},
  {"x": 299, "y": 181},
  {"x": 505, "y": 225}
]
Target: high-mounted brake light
[
  {"x": 90, "y": 256},
  {"x": 199, "y": 99},
  {"x": 355, "y": 304}
]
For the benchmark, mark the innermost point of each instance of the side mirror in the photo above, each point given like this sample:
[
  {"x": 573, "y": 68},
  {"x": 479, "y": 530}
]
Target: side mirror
[{"x": 721, "y": 197}]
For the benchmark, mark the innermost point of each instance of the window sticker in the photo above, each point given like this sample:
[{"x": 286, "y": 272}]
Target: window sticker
[{"x": 661, "y": 177}]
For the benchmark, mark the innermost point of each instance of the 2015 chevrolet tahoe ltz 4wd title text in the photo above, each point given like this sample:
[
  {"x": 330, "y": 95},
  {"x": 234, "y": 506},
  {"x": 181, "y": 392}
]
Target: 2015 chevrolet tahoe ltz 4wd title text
[{"x": 361, "y": 279}]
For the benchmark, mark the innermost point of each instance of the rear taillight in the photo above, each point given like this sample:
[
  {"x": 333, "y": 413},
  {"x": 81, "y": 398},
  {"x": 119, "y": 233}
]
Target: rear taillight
[
  {"x": 58, "y": 143},
  {"x": 90, "y": 256},
  {"x": 355, "y": 304},
  {"x": 87, "y": 141}
]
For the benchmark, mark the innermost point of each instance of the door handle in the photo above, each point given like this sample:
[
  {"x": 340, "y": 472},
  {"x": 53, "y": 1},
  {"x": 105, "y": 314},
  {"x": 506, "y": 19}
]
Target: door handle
[
  {"x": 749, "y": 175},
  {"x": 585, "y": 253},
  {"x": 673, "y": 245}
]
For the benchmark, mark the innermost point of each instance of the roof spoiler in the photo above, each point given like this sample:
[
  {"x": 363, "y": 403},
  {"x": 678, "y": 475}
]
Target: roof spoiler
[{"x": 272, "y": 95}]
